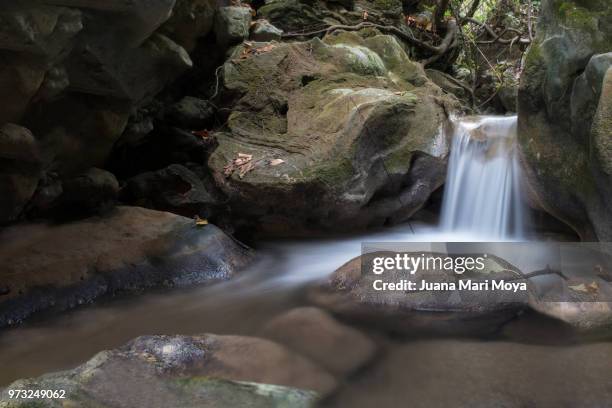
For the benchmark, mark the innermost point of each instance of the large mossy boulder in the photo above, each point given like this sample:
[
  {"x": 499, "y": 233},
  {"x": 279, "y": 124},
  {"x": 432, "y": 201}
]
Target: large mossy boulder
[
  {"x": 345, "y": 132},
  {"x": 564, "y": 119},
  {"x": 48, "y": 267},
  {"x": 184, "y": 371}
]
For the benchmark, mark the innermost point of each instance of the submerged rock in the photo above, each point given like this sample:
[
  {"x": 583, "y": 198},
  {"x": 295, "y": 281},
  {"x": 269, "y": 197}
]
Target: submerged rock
[
  {"x": 315, "y": 334},
  {"x": 185, "y": 371},
  {"x": 56, "y": 267},
  {"x": 341, "y": 133},
  {"x": 351, "y": 293},
  {"x": 462, "y": 373}
]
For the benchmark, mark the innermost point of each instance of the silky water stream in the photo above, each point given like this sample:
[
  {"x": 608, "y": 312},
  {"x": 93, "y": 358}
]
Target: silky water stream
[{"x": 481, "y": 202}]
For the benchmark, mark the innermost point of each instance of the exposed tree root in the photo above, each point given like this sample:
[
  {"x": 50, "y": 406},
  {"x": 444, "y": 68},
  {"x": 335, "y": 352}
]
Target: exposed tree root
[{"x": 437, "y": 50}]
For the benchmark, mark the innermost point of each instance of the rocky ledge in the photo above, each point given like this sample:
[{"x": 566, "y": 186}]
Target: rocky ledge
[{"x": 46, "y": 267}]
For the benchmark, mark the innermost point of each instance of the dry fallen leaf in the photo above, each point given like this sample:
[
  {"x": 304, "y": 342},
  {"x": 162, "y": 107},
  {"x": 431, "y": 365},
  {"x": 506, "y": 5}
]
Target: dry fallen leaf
[
  {"x": 200, "y": 222},
  {"x": 276, "y": 162},
  {"x": 204, "y": 134},
  {"x": 578, "y": 288},
  {"x": 249, "y": 49},
  {"x": 243, "y": 163},
  {"x": 593, "y": 287}
]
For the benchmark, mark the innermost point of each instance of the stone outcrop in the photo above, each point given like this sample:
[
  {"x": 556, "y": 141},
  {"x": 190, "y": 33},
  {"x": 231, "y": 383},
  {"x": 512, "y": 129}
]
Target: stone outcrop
[
  {"x": 345, "y": 132},
  {"x": 72, "y": 71},
  {"x": 56, "y": 267},
  {"x": 564, "y": 120}
]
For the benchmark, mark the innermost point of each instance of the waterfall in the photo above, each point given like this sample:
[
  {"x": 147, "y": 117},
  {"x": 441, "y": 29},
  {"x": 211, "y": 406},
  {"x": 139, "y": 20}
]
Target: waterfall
[{"x": 482, "y": 195}]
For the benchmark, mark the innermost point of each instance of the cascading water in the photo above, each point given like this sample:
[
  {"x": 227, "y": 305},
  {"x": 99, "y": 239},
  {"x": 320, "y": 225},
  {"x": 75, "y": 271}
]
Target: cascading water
[{"x": 482, "y": 195}]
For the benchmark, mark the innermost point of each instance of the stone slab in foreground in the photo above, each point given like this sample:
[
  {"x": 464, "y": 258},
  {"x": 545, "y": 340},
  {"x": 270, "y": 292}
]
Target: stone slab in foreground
[{"x": 46, "y": 267}]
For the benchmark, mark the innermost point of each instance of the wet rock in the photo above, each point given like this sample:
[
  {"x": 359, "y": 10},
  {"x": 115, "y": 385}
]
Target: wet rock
[
  {"x": 555, "y": 110},
  {"x": 232, "y": 25},
  {"x": 20, "y": 172},
  {"x": 315, "y": 334},
  {"x": 189, "y": 371},
  {"x": 174, "y": 188},
  {"x": 350, "y": 293},
  {"x": 190, "y": 113},
  {"x": 263, "y": 31},
  {"x": 336, "y": 135},
  {"x": 58, "y": 267},
  {"x": 463, "y": 373}
]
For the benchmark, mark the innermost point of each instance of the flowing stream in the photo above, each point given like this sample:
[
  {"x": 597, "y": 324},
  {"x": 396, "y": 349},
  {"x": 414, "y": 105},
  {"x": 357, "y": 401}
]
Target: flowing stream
[
  {"x": 483, "y": 194},
  {"x": 481, "y": 202}
]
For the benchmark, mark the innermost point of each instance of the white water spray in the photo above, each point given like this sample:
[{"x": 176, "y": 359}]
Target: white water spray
[{"x": 482, "y": 194}]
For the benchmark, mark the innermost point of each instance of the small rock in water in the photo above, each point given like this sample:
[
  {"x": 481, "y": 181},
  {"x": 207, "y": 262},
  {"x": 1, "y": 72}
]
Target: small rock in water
[{"x": 315, "y": 334}]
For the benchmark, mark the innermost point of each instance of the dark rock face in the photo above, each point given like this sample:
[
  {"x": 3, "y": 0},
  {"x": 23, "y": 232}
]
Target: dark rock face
[
  {"x": 20, "y": 166},
  {"x": 90, "y": 190},
  {"x": 564, "y": 121},
  {"x": 57, "y": 267},
  {"x": 71, "y": 71},
  {"x": 190, "y": 112},
  {"x": 188, "y": 371},
  {"x": 174, "y": 188}
]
